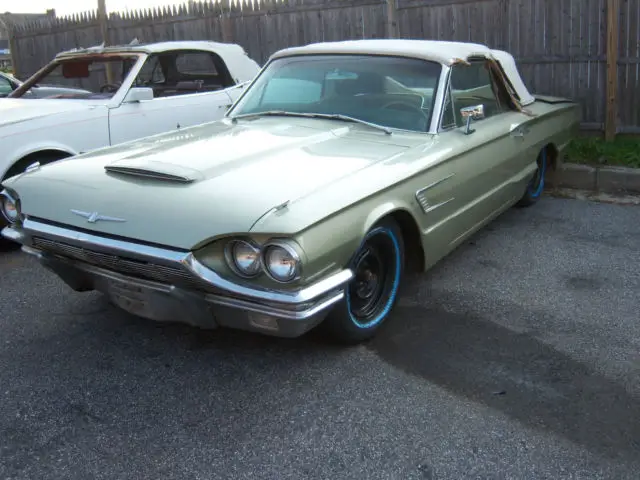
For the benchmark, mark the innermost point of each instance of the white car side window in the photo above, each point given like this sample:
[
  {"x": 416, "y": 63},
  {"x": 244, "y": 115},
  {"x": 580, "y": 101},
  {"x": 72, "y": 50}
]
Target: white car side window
[
  {"x": 5, "y": 87},
  {"x": 181, "y": 72}
]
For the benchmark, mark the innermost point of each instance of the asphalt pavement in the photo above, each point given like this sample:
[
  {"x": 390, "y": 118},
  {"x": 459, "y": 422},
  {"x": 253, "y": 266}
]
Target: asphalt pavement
[{"x": 517, "y": 357}]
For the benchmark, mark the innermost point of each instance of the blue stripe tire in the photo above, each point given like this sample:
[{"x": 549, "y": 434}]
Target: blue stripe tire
[
  {"x": 535, "y": 187},
  {"x": 379, "y": 260}
]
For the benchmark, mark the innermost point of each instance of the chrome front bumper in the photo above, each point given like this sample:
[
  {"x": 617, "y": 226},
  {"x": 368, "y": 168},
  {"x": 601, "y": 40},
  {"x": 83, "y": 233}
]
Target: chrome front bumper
[{"x": 170, "y": 285}]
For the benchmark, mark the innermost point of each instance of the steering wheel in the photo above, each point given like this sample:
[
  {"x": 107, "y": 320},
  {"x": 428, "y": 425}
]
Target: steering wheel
[
  {"x": 111, "y": 87},
  {"x": 421, "y": 118},
  {"x": 407, "y": 107}
]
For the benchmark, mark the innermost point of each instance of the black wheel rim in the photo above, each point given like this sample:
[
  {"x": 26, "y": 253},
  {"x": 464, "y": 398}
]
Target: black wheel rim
[
  {"x": 368, "y": 285},
  {"x": 376, "y": 275}
]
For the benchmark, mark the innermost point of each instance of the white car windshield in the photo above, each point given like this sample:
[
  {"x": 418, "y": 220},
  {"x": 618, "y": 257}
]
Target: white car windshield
[
  {"x": 392, "y": 92},
  {"x": 83, "y": 77}
]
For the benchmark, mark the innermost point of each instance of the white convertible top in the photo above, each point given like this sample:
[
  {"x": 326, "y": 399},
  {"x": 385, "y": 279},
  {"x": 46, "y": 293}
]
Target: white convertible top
[
  {"x": 240, "y": 65},
  {"x": 510, "y": 68},
  {"x": 444, "y": 52}
]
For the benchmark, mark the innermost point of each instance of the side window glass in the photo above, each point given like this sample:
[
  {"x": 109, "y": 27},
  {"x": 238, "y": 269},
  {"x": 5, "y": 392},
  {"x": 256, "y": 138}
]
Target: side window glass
[
  {"x": 150, "y": 74},
  {"x": 5, "y": 87},
  {"x": 472, "y": 85},
  {"x": 448, "y": 117}
]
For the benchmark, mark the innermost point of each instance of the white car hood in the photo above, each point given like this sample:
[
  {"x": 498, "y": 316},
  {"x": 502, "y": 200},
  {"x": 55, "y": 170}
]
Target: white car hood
[{"x": 17, "y": 110}]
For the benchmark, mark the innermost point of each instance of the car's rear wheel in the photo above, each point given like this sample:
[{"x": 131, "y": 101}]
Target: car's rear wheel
[
  {"x": 535, "y": 187},
  {"x": 370, "y": 297}
]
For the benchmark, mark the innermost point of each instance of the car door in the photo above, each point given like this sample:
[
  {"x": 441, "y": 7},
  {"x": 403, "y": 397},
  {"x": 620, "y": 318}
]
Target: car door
[
  {"x": 190, "y": 87},
  {"x": 476, "y": 181}
]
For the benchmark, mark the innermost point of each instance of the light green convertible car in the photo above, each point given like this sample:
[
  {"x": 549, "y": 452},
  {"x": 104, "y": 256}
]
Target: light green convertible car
[{"x": 342, "y": 167}]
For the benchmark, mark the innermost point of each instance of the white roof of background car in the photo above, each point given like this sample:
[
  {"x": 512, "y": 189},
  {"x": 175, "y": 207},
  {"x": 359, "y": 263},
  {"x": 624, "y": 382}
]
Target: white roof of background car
[
  {"x": 434, "y": 50},
  {"x": 241, "y": 66},
  {"x": 158, "y": 47}
]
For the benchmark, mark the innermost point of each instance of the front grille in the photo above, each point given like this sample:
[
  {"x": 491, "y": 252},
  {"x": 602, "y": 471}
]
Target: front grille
[{"x": 119, "y": 264}]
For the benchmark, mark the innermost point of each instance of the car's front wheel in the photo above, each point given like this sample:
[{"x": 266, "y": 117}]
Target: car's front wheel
[{"x": 378, "y": 266}]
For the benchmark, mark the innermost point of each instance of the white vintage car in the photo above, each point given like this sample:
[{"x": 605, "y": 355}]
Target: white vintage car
[{"x": 122, "y": 93}]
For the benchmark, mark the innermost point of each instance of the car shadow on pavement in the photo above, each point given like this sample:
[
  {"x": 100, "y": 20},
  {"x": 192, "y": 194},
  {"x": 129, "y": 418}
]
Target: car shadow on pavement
[{"x": 513, "y": 373}]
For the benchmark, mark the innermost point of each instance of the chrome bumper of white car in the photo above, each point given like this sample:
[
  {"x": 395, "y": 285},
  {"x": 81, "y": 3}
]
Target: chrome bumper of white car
[{"x": 169, "y": 285}]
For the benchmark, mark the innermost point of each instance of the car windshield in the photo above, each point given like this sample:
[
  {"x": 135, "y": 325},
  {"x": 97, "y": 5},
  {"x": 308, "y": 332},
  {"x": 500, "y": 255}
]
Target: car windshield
[
  {"x": 392, "y": 92},
  {"x": 82, "y": 77}
]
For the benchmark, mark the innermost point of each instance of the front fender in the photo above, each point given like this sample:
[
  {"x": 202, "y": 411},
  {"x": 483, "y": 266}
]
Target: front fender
[
  {"x": 384, "y": 210},
  {"x": 25, "y": 150},
  {"x": 70, "y": 132}
]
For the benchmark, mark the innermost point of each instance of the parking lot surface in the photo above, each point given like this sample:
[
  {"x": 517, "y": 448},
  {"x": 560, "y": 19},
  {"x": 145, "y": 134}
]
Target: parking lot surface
[{"x": 516, "y": 357}]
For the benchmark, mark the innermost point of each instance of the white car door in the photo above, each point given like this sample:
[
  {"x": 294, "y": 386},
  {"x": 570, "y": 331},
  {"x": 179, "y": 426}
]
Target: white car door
[{"x": 190, "y": 88}]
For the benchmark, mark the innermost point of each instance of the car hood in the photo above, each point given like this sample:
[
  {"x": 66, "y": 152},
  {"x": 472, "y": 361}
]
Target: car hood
[
  {"x": 17, "y": 110},
  {"x": 185, "y": 188}
]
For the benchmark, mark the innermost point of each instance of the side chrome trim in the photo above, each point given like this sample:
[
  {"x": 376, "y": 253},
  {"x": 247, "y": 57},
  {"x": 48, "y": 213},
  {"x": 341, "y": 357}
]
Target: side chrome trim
[
  {"x": 437, "y": 182},
  {"x": 423, "y": 201},
  {"x": 176, "y": 259},
  {"x": 431, "y": 208}
]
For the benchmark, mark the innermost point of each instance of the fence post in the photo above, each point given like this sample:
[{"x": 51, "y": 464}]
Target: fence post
[
  {"x": 613, "y": 12},
  {"x": 392, "y": 22},
  {"x": 104, "y": 30},
  {"x": 13, "y": 50}
]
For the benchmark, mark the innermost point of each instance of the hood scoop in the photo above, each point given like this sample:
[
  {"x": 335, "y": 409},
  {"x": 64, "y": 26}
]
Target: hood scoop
[{"x": 168, "y": 172}]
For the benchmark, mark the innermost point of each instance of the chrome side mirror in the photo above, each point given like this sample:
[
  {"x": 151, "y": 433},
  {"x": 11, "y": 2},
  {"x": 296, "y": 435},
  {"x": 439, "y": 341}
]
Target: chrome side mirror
[{"x": 475, "y": 112}]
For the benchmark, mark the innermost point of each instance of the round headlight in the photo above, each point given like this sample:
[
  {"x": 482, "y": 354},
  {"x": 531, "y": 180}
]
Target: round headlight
[
  {"x": 281, "y": 263},
  {"x": 9, "y": 208},
  {"x": 244, "y": 258}
]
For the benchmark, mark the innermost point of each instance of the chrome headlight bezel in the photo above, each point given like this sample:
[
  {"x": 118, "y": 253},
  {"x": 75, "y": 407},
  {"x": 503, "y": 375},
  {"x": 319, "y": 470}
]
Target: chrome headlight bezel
[
  {"x": 232, "y": 260},
  {"x": 290, "y": 251},
  {"x": 7, "y": 196},
  {"x": 290, "y": 248}
]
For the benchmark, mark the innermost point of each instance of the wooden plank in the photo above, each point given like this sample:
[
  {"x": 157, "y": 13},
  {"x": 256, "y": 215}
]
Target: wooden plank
[
  {"x": 392, "y": 20},
  {"x": 633, "y": 100},
  {"x": 613, "y": 9},
  {"x": 561, "y": 46}
]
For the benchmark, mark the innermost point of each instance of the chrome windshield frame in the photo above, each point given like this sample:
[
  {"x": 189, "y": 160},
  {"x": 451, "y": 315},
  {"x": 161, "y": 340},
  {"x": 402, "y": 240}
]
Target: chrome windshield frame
[{"x": 437, "y": 106}]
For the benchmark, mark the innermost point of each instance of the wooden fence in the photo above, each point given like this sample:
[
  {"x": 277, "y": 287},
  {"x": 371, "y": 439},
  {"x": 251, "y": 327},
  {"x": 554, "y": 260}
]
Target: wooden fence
[{"x": 560, "y": 45}]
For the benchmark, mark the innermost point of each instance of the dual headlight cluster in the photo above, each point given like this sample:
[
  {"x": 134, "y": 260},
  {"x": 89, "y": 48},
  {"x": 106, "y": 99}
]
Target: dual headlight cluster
[
  {"x": 278, "y": 259},
  {"x": 10, "y": 207}
]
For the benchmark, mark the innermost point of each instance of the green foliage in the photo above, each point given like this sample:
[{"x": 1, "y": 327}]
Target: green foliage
[{"x": 623, "y": 151}]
